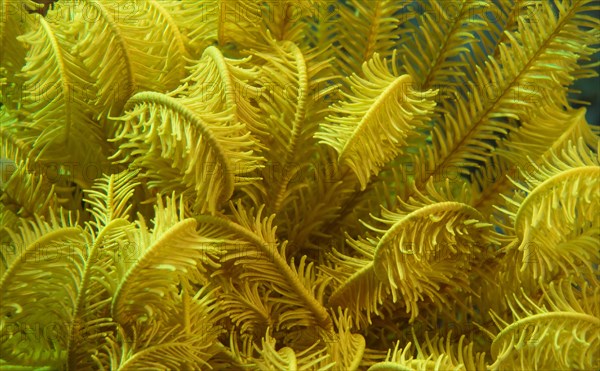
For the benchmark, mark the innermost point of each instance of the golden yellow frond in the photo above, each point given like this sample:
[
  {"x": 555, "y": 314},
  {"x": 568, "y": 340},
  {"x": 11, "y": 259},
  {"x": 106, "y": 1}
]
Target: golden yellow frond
[
  {"x": 423, "y": 247},
  {"x": 561, "y": 331},
  {"x": 554, "y": 215},
  {"x": 206, "y": 157},
  {"x": 372, "y": 126}
]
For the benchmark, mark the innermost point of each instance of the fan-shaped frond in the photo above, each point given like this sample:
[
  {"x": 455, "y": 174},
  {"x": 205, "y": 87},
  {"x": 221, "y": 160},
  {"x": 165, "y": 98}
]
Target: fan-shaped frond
[
  {"x": 38, "y": 289},
  {"x": 204, "y": 158},
  {"x": 295, "y": 85},
  {"x": 555, "y": 221},
  {"x": 28, "y": 232},
  {"x": 27, "y": 187},
  {"x": 91, "y": 314},
  {"x": 226, "y": 84},
  {"x": 125, "y": 53},
  {"x": 263, "y": 262},
  {"x": 169, "y": 251},
  {"x": 57, "y": 106},
  {"x": 561, "y": 126},
  {"x": 372, "y": 126},
  {"x": 184, "y": 340},
  {"x": 109, "y": 230},
  {"x": 560, "y": 332},
  {"x": 490, "y": 181},
  {"x": 423, "y": 247}
]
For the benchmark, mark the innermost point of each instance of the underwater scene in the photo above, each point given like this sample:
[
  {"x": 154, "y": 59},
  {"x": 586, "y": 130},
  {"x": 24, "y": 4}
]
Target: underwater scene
[{"x": 299, "y": 185}]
